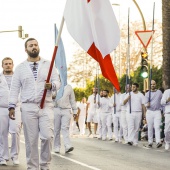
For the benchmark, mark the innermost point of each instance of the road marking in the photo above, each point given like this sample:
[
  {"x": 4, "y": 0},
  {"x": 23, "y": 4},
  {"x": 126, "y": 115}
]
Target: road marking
[{"x": 72, "y": 160}]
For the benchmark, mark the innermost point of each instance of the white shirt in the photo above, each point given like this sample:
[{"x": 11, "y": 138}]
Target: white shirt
[
  {"x": 165, "y": 96},
  {"x": 4, "y": 91},
  {"x": 104, "y": 105},
  {"x": 32, "y": 91},
  {"x": 67, "y": 101},
  {"x": 82, "y": 107},
  {"x": 137, "y": 99},
  {"x": 122, "y": 98},
  {"x": 93, "y": 106}
]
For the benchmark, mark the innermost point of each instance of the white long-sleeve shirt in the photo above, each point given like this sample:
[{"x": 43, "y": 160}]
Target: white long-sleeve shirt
[
  {"x": 165, "y": 96},
  {"x": 67, "y": 101},
  {"x": 32, "y": 91},
  {"x": 4, "y": 91}
]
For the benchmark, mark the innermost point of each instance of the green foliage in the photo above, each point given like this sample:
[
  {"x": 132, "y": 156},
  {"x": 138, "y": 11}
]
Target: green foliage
[{"x": 105, "y": 84}]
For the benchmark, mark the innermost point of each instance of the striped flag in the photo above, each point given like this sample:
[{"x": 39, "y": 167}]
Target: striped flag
[{"x": 60, "y": 63}]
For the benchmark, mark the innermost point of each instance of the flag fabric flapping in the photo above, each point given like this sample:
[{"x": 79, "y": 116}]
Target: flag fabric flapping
[
  {"x": 60, "y": 63},
  {"x": 93, "y": 25}
]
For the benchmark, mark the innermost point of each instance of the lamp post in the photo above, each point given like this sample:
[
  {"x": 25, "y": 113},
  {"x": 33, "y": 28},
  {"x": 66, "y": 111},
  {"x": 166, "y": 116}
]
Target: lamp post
[
  {"x": 141, "y": 14},
  {"x": 20, "y": 32}
]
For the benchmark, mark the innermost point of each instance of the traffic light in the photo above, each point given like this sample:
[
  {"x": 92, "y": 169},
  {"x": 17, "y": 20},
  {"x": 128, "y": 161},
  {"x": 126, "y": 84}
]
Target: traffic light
[
  {"x": 20, "y": 31},
  {"x": 144, "y": 65}
]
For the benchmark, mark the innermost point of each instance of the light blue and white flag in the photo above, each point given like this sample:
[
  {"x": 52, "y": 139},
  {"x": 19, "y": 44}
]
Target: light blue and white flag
[{"x": 60, "y": 63}]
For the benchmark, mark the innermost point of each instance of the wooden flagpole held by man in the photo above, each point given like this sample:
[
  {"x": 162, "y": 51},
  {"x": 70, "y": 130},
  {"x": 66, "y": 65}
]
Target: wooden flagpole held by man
[{"x": 52, "y": 61}]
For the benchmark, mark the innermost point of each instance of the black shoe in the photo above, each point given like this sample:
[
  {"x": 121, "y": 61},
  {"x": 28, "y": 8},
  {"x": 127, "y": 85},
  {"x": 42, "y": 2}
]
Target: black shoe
[
  {"x": 70, "y": 149},
  {"x": 149, "y": 145},
  {"x": 130, "y": 143},
  {"x": 159, "y": 145}
]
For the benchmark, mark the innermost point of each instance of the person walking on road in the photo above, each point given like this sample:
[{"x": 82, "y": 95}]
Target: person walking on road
[
  {"x": 7, "y": 125},
  {"x": 30, "y": 79}
]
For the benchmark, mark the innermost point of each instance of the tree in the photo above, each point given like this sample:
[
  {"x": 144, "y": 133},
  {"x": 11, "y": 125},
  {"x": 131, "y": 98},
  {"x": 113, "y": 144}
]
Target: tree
[
  {"x": 166, "y": 43},
  {"x": 83, "y": 66}
]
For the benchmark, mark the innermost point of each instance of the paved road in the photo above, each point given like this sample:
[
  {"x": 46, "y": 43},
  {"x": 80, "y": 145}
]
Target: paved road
[{"x": 93, "y": 154}]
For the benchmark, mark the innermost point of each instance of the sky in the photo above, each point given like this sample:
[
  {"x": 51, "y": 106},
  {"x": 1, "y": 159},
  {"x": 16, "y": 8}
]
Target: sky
[{"x": 37, "y": 17}]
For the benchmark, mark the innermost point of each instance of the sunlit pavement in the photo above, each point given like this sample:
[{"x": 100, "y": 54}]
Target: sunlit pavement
[{"x": 91, "y": 153}]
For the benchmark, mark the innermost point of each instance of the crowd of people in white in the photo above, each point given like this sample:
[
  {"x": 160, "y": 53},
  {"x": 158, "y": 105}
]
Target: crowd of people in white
[{"x": 21, "y": 93}]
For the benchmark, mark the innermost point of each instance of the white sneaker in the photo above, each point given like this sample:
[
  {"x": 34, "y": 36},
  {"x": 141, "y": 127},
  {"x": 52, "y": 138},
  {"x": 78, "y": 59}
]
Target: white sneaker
[
  {"x": 57, "y": 150},
  {"x": 166, "y": 146},
  {"x": 15, "y": 162},
  {"x": 3, "y": 162}
]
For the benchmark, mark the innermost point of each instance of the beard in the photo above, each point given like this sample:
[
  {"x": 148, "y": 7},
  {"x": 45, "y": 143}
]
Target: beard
[
  {"x": 34, "y": 53},
  {"x": 8, "y": 71}
]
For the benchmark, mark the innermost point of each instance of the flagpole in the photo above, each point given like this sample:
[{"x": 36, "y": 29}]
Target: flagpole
[
  {"x": 114, "y": 87},
  {"x": 128, "y": 60},
  {"x": 150, "y": 76},
  {"x": 52, "y": 61}
]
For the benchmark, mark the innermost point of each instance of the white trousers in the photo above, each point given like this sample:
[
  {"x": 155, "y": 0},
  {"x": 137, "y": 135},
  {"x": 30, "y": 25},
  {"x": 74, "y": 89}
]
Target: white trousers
[
  {"x": 134, "y": 121},
  {"x": 117, "y": 125},
  {"x": 167, "y": 128},
  {"x": 62, "y": 119},
  {"x": 106, "y": 125},
  {"x": 99, "y": 127},
  {"x": 14, "y": 128},
  {"x": 124, "y": 125},
  {"x": 81, "y": 122},
  {"x": 38, "y": 122},
  {"x": 153, "y": 119}
]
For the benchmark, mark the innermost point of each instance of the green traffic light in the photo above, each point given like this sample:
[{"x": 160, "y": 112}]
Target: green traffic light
[{"x": 144, "y": 74}]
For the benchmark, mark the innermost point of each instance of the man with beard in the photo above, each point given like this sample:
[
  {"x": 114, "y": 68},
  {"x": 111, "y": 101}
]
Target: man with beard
[
  {"x": 106, "y": 115},
  {"x": 7, "y": 125},
  {"x": 135, "y": 108},
  {"x": 153, "y": 114},
  {"x": 29, "y": 79}
]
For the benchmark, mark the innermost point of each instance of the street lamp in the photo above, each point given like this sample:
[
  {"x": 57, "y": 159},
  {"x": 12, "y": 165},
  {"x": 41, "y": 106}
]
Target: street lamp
[{"x": 20, "y": 32}]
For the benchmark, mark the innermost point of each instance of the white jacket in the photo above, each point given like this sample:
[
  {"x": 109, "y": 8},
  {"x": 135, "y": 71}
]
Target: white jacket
[
  {"x": 4, "y": 91},
  {"x": 31, "y": 90},
  {"x": 67, "y": 101}
]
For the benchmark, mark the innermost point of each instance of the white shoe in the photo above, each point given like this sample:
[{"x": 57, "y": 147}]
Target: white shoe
[
  {"x": 15, "y": 162},
  {"x": 166, "y": 146},
  {"x": 57, "y": 150},
  {"x": 3, "y": 162},
  {"x": 94, "y": 136},
  {"x": 135, "y": 144}
]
